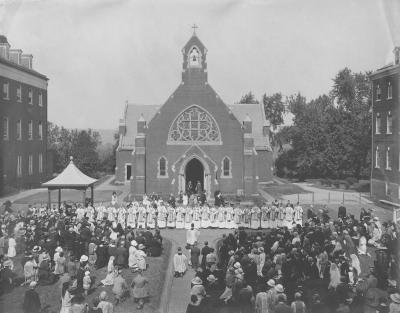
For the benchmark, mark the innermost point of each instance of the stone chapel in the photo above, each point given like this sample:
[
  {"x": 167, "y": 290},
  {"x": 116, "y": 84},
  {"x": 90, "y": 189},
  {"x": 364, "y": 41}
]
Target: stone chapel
[{"x": 194, "y": 137}]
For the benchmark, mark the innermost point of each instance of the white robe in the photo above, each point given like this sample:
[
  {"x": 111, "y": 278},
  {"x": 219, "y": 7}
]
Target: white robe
[{"x": 180, "y": 261}]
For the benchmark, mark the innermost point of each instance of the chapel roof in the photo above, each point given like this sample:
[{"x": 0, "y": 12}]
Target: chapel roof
[{"x": 242, "y": 112}]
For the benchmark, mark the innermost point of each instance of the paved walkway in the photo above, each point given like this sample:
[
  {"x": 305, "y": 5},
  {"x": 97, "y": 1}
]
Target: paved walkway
[{"x": 176, "y": 293}]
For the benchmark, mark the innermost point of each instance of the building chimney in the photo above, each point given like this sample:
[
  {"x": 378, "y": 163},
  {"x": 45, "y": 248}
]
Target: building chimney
[
  {"x": 4, "y": 47},
  {"x": 15, "y": 56},
  {"x": 26, "y": 60},
  {"x": 396, "y": 52}
]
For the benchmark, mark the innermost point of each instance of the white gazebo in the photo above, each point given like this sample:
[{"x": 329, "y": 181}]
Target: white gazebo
[{"x": 70, "y": 178}]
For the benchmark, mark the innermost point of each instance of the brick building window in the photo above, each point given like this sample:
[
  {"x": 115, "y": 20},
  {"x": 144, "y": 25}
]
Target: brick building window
[
  {"x": 378, "y": 124},
  {"x": 226, "y": 167},
  {"x": 162, "y": 167},
  {"x": 30, "y": 164},
  {"x": 19, "y": 93},
  {"x": 377, "y": 157},
  {"x": 389, "y": 123},
  {"x": 6, "y": 91},
  {"x": 40, "y": 130},
  {"x": 378, "y": 93},
  {"x": 30, "y": 130},
  {"x": 19, "y": 130},
  {"x": 40, "y": 167},
  {"x": 5, "y": 128},
  {"x": 30, "y": 96},
  {"x": 40, "y": 102},
  {"x": 388, "y": 159},
  {"x": 390, "y": 91},
  {"x": 19, "y": 166},
  {"x": 387, "y": 189}
]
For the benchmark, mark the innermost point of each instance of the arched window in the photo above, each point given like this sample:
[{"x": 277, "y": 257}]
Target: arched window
[
  {"x": 162, "y": 167},
  {"x": 378, "y": 92},
  {"x": 377, "y": 157},
  {"x": 389, "y": 123},
  {"x": 378, "y": 124},
  {"x": 390, "y": 91},
  {"x": 388, "y": 159},
  {"x": 226, "y": 167},
  {"x": 194, "y": 125}
]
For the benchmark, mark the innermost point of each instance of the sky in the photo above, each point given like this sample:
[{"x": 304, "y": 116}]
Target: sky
[{"x": 98, "y": 54}]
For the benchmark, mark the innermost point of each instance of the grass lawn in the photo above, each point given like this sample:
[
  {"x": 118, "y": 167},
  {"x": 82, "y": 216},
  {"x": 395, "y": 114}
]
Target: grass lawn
[
  {"x": 68, "y": 195},
  {"x": 51, "y": 295},
  {"x": 277, "y": 190}
]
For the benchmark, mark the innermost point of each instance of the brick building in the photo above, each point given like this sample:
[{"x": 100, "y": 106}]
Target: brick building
[
  {"x": 194, "y": 137},
  {"x": 23, "y": 112},
  {"x": 385, "y": 176}
]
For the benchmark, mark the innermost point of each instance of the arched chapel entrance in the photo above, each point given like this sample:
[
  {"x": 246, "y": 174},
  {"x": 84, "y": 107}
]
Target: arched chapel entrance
[
  {"x": 193, "y": 169},
  {"x": 194, "y": 173}
]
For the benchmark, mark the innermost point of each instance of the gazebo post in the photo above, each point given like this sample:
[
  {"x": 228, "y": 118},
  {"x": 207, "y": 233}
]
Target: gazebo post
[
  {"x": 92, "y": 195},
  {"x": 49, "y": 198},
  {"x": 84, "y": 196},
  {"x": 59, "y": 198}
]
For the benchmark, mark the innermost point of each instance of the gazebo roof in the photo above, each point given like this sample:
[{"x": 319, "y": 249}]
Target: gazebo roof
[{"x": 70, "y": 177}]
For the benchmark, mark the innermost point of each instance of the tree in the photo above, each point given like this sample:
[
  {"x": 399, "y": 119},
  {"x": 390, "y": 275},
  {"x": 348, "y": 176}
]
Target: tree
[
  {"x": 81, "y": 144},
  {"x": 248, "y": 98},
  {"x": 274, "y": 109},
  {"x": 330, "y": 136}
]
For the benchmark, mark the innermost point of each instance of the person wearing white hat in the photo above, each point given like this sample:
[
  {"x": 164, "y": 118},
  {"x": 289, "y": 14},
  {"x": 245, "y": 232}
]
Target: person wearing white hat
[
  {"x": 83, "y": 258},
  {"x": 198, "y": 288},
  {"x": 237, "y": 265},
  {"x": 395, "y": 305}
]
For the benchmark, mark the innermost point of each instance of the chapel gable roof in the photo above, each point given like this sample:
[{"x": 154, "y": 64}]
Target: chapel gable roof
[
  {"x": 133, "y": 113},
  {"x": 254, "y": 112}
]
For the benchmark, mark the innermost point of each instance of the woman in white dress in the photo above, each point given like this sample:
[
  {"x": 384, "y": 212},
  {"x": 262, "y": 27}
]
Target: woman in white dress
[
  {"x": 109, "y": 280},
  {"x": 11, "y": 247}
]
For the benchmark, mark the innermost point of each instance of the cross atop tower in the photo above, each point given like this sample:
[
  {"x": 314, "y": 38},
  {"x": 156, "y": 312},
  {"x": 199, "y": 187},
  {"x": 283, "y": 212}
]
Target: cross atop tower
[{"x": 194, "y": 28}]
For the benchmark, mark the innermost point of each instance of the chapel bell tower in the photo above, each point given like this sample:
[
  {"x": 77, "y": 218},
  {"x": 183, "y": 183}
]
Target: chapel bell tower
[{"x": 194, "y": 69}]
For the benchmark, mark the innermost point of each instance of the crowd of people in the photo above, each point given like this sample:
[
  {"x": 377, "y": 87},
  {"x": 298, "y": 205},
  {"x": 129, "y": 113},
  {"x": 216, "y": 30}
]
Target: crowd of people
[
  {"x": 273, "y": 262},
  {"x": 325, "y": 266},
  {"x": 65, "y": 247}
]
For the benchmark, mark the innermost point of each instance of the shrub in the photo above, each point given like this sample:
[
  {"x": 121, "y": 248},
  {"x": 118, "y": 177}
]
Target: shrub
[
  {"x": 328, "y": 182},
  {"x": 336, "y": 183},
  {"x": 351, "y": 180},
  {"x": 362, "y": 186}
]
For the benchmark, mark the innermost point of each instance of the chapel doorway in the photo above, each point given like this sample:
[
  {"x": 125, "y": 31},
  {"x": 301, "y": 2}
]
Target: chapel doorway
[{"x": 194, "y": 174}]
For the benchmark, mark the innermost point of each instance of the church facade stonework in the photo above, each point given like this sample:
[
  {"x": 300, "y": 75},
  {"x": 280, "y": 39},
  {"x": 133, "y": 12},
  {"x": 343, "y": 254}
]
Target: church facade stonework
[{"x": 194, "y": 138}]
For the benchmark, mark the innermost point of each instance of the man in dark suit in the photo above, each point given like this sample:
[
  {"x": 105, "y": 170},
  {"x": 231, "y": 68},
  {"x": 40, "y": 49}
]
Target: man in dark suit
[{"x": 206, "y": 250}]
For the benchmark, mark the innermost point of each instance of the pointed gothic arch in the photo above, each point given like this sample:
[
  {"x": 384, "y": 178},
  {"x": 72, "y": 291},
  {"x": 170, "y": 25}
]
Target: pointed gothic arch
[{"x": 194, "y": 125}]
